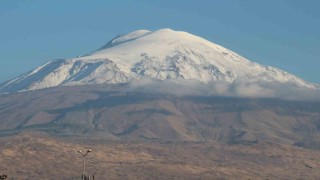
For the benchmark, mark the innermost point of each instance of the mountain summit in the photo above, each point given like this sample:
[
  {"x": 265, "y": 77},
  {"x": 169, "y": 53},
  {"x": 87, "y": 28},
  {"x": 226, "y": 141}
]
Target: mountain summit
[{"x": 160, "y": 55}]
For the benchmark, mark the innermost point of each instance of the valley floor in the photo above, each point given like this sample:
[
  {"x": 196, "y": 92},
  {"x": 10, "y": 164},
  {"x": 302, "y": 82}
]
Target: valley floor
[{"x": 37, "y": 156}]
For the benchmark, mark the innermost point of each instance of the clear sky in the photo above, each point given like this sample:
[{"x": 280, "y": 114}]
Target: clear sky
[{"x": 280, "y": 33}]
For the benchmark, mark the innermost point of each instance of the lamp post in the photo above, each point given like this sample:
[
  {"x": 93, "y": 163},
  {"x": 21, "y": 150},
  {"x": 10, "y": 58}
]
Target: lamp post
[{"x": 84, "y": 161}]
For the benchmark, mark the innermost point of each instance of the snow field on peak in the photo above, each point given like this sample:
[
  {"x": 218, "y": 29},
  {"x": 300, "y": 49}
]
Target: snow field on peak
[{"x": 159, "y": 55}]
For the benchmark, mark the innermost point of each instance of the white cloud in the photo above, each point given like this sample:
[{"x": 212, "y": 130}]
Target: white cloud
[{"x": 254, "y": 89}]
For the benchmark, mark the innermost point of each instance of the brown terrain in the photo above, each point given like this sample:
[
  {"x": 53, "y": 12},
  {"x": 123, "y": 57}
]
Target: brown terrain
[
  {"x": 137, "y": 135},
  {"x": 27, "y": 156}
]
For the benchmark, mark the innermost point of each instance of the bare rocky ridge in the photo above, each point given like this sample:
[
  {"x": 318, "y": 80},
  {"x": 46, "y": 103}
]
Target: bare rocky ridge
[{"x": 111, "y": 113}]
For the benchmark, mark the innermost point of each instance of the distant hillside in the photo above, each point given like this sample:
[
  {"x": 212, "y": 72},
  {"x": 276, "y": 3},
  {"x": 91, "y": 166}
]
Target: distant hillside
[{"x": 111, "y": 113}]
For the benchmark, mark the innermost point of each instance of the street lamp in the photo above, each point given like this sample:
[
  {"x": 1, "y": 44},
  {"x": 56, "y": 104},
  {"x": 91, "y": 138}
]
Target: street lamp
[{"x": 84, "y": 161}]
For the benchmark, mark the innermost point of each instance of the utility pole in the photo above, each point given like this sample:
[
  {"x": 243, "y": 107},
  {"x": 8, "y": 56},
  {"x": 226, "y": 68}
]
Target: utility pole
[{"x": 84, "y": 176}]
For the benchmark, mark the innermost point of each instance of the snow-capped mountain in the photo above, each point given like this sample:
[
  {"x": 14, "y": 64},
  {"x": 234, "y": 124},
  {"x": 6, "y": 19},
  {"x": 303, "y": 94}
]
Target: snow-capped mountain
[{"x": 163, "y": 54}]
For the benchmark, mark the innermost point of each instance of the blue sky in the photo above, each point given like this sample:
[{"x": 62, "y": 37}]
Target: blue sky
[{"x": 280, "y": 33}]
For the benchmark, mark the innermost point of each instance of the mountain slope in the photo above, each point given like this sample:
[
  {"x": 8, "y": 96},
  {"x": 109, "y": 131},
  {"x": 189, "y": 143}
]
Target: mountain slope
[
  {"x": 163, "y": 54},
  {"x": 111, "y": 113}
]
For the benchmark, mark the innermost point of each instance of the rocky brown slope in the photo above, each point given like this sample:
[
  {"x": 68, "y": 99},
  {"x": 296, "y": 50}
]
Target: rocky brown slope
[{"x": 99, "y": 112}]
